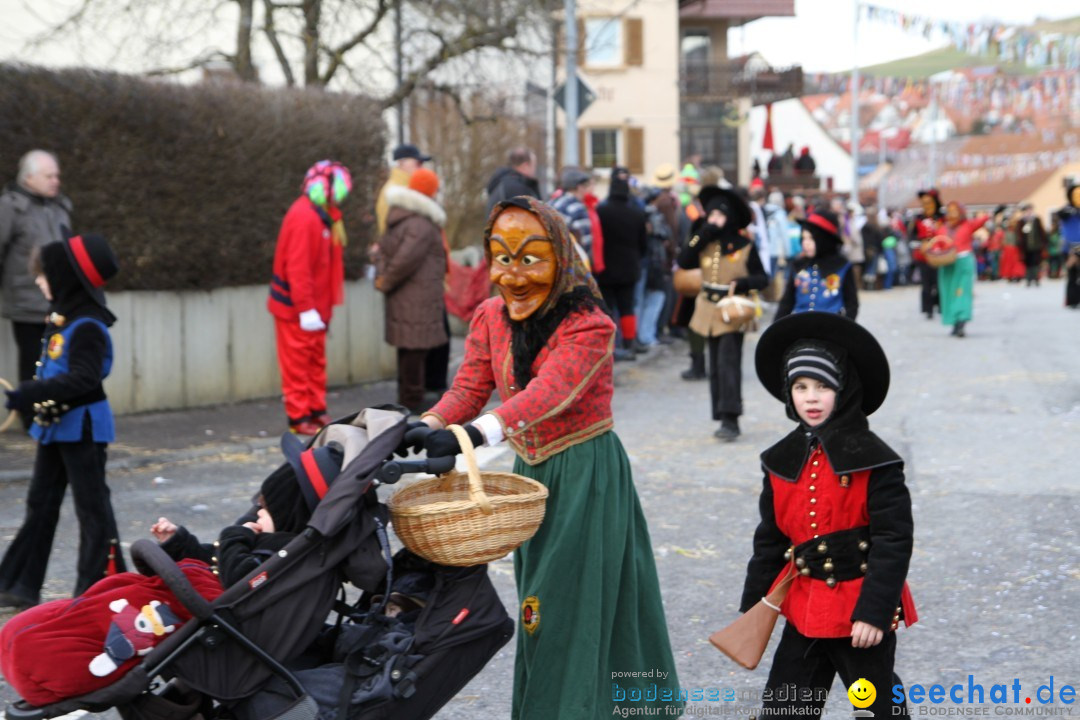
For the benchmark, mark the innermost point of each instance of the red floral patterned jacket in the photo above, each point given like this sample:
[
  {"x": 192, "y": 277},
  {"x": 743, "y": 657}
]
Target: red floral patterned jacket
[{"x": 568, "y": 400}]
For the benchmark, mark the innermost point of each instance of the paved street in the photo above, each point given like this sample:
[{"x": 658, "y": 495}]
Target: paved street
[{"x": 987, "y": 425}]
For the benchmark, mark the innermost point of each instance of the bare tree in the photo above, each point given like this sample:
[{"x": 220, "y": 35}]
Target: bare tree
[{"x": 346, "y": 44}]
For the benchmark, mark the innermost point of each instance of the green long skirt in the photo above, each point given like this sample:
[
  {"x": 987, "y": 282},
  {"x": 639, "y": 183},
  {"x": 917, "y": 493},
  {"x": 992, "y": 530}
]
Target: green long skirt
[
  {"x": 592, "y": 638},
  {"x": 956, "y": 286}
]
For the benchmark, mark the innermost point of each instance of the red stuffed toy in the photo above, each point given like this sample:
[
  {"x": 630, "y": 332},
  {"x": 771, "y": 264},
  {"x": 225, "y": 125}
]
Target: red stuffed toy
[{"x": 67, "y": 648}]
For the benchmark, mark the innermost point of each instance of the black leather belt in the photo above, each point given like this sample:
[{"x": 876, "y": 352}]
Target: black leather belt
[{"x": 833, "y": 557}]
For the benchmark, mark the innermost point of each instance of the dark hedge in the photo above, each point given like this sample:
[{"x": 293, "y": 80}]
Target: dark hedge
[{"x": 189, "y": 183}]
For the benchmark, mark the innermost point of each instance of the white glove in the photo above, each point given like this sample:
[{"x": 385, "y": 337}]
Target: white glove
[{"x": 311, "y": 321}]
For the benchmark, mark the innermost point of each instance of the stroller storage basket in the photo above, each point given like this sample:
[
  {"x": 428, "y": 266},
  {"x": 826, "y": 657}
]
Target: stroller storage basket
[{"x": 461, "y": 519}]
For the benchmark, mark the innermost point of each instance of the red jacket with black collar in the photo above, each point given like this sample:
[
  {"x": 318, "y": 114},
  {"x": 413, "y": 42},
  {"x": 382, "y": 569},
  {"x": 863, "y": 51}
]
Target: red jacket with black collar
[
  {"x": 821, "y": 501},
  {"x": 568, "y": 399}
]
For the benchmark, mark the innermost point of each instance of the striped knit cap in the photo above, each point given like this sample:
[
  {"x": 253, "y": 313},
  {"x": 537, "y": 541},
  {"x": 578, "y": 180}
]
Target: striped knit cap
[{"x": 815, "y": 359}]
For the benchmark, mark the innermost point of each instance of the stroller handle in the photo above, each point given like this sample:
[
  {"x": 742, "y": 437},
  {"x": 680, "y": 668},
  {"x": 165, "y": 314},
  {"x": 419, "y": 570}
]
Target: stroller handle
[
  {"x": 392, "y": 471},
  {"x": 150, "y": 559}
]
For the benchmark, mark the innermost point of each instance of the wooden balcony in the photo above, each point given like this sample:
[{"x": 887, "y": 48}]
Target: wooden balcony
[{"x": 703, "y": 82}]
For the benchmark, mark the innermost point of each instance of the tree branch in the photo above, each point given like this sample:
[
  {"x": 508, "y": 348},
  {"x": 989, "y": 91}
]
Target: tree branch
[
  {"x": 468, "y": 41},
  {"x": 454, "y": 95},
  {"x": 271, "y": 35},
  {"x": 242, "y": 63},
  {"x": 196, "y": 63},
  {"x": 72, "y": 20},
  {"x": 337, "y": 55}
]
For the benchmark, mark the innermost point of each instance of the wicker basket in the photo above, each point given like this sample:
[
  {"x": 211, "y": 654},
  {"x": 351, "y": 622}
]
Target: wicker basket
[
  {"x": 939, "y": 251},
  {"x": 470, "y": 518},
  {"x": 11, "y": 415}
]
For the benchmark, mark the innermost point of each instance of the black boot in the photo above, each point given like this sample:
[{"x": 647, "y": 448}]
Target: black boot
[
  {"x": 697, "y": 367},
  {"x": 729, "y": 428},
  {"x": 958, "y": 329}
]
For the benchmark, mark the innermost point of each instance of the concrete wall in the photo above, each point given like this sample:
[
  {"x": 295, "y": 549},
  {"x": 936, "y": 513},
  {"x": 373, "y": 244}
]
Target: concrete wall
[{"x": 186, "y": 349}]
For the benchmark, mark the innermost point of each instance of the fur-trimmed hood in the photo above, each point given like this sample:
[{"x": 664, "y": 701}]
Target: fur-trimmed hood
[{"x": 414, "y": 202}]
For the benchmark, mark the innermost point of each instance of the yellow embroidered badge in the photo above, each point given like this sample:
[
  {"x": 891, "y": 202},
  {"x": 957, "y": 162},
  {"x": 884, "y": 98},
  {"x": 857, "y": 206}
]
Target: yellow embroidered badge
[
  {"x": 530, "y": 613},
  {"x": 56, "y": 346}
]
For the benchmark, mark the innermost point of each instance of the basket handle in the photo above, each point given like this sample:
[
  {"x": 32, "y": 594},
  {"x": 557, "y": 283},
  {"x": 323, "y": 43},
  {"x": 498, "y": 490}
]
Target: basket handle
[{"x": 476, "y": 486}]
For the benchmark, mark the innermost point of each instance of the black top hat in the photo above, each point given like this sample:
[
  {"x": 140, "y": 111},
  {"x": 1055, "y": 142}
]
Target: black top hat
[
  {"x": 824, "y": 226},
  {"x": 862, "y": 349},
  {"x": 734, "y": 206},
  {"x": 315, "y": 468},
  {"x": 94, "y": 262},
  {"x": 410, "y": 151}
]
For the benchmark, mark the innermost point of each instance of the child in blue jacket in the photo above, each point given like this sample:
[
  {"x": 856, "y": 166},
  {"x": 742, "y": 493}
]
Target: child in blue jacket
[{"x": 73, "y": 422}]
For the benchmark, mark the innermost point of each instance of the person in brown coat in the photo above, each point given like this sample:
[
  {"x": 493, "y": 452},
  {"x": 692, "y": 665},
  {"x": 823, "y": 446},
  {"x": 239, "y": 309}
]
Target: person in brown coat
[{"x": 411, "y": 269}]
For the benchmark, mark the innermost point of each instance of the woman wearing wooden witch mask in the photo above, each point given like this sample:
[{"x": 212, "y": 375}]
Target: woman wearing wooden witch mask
[{"x": 590, "y": 598}]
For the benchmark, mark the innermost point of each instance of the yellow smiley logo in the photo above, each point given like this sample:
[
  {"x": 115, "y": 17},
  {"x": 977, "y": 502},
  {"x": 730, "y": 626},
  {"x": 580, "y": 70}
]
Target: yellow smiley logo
[{"x": 862, "y": 693}]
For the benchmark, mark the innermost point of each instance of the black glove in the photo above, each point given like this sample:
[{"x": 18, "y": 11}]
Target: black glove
[
  {"x": 12, "y": 401},
  {"x": 441, "y": 443},
  {"x": 410, "y": 440}
]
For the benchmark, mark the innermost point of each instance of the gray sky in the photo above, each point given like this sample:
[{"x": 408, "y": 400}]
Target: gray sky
[{"x": 820, "y": 36}]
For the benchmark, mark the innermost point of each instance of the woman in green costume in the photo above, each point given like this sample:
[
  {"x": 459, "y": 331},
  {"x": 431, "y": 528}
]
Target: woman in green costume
[{"x": 592, "y": 638}]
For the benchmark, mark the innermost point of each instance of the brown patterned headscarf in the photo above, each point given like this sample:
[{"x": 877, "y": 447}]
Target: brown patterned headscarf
[{"x": 571, "y": 273}]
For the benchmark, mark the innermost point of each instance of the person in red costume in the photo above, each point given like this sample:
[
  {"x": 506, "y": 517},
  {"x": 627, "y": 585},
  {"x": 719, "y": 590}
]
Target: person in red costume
[
  {"x": 308, "y": 281},
  {"x": 835, "y": 516},
  {"x": 590, "y": 597},
  {"x": 956, "y": 282}
]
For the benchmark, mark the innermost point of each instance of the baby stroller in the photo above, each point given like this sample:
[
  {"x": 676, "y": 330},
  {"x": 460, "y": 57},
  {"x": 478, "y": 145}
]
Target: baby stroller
[{"x": 265, "y": 649}]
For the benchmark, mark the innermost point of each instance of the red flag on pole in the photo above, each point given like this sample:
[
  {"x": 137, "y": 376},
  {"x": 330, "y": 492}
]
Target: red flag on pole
[{"x": 767, "y": 143}]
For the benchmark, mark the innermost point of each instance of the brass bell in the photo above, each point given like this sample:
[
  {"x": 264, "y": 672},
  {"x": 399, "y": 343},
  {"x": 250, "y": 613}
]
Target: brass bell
[
  {"x": 805, "y": 571},
  {"x": 830, "y": 581},
  {"x": 787, "y": 553},
  {"x": 800, "y": 563},
  {"x": 828, "y": 566},
  {"x": 862, "y": 568},
  {"x": 822, "y": 547},
  {"x": 864, "y": 545}
]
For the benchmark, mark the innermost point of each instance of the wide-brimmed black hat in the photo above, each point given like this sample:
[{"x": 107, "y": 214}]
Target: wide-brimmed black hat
[
  {"x": 94, "y": 262},
  {"x": 315, "y": 468},
  {"x": 824, "y": 226},
  {"x": 862, "y": 349},
  {"x": 739, "y": 215}
]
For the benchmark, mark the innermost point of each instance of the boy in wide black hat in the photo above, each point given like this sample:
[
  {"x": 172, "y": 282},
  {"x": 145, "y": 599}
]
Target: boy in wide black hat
[
  {"x": 729, "y": 262},
  {"x": 822, "y": 279},
  {"x": 73, "y": 422},
  {"x": 835, "y": 512}
]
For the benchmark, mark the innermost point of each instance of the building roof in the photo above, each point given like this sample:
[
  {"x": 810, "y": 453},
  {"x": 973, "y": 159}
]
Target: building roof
[
  {"x": 741, "y": 11},
  {"x": 984, "y": 170},
  {"x": 1003, "y": 192}
]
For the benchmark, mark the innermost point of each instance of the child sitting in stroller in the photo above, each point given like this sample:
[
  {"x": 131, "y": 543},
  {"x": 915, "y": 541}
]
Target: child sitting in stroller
[
  {"x": 285, "y": 503},
  {"x": 268, "y": 643}
]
